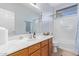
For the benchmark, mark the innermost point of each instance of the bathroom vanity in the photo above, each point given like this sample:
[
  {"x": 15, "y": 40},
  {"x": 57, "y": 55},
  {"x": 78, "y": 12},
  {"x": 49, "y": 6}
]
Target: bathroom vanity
[
  {"x": 43, "y": 48},
  {"x": 22, "y": 46}
]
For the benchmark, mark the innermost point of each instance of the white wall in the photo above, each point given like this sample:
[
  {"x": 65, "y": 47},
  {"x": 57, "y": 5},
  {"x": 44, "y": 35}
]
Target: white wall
[{"x": 22, "y": 13}]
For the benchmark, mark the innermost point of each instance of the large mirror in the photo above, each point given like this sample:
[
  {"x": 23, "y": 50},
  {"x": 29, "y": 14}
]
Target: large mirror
[{"x": 18, "y": 18}]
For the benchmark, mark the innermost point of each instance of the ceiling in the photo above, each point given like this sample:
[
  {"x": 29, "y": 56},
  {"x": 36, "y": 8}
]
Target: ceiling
[
  {"x": 47, "y": 7},
  {"x": 50, "y": 6},
  {"x": 60, "y": 5}
]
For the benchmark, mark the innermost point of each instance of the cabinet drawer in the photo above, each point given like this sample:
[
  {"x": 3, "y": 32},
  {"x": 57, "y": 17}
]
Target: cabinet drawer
[
  {"x": 43, "y": 43},
  {"x": 33, "y": 48},
  {"x": 36, "y": 53},
  {"x": 23, "y": 52}
]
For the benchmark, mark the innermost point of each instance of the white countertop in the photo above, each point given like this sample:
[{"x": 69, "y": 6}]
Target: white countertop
[{"x": 18, "y": 44}]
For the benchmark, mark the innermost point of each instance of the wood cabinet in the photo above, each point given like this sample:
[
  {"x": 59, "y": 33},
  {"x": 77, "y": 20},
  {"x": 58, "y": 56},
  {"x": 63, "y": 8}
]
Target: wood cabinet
[
  {"x": 23, "y": 52},
  {"x": 44, "y": 51},
  {"x": 43, "y": 48},
  {"x": 43, "y": 43},
  {"x": 33, "y": 48},
  {"x": 50, "y": 47}
]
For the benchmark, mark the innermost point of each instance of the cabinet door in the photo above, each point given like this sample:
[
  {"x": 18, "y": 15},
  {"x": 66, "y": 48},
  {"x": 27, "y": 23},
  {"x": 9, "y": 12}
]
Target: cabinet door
[
  {"x": 44, "y": 51},
  {"x": 50, "y": 47},
  {"x": 23, "y": 52},
  {"x": 36, "y": 53}
]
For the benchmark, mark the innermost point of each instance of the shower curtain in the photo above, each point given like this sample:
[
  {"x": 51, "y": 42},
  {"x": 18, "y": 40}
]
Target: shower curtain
[{"x": 65, "y": 29}]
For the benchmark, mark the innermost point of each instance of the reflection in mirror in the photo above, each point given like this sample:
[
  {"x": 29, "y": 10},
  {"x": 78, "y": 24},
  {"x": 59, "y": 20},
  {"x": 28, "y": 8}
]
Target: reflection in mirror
[{"x": 28, "y": 26}]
